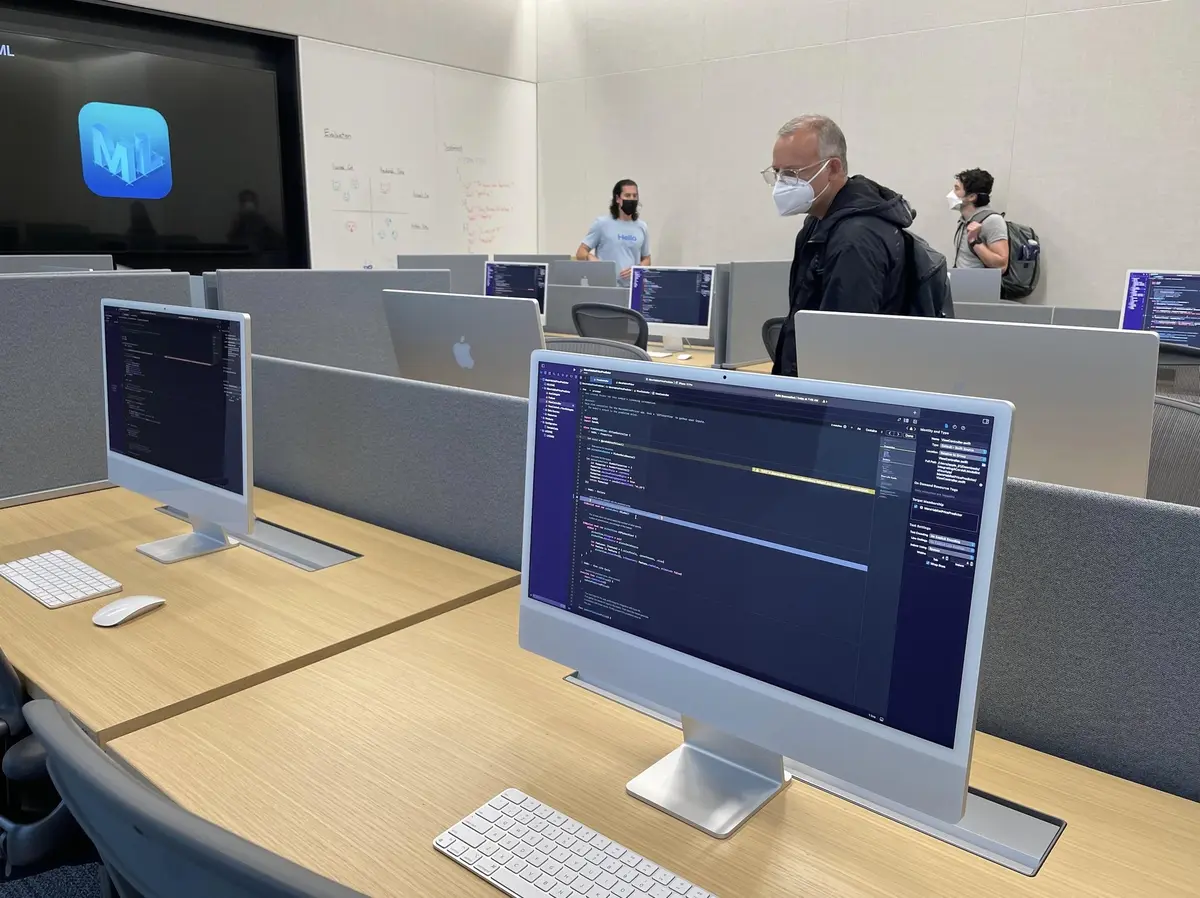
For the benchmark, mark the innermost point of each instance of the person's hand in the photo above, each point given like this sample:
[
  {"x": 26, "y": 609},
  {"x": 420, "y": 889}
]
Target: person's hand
[
  {"x": 626, "y": 273},
  {"x": 973, "y": 229}
]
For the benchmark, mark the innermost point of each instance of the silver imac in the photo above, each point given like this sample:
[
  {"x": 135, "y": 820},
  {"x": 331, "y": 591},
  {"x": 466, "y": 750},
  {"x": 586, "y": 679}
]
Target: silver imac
[
  {"x": 517, "y": 280},
  {"x": 1084, "y": 396},
  {"x": 676, "y": 302},
  {"x": 1166, "y": 302},
  {"x": 177, "y": 404},
  {"x": 799, "y": 569},
  {"x": 475, "y": 342},
  {"x": 584, "y": 274}
]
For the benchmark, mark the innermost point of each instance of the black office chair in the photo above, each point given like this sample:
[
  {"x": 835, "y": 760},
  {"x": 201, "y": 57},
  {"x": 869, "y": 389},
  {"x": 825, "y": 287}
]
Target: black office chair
[
  {"x": 613, "y": 349},
  {"x": 771, "y": 330},
  {"x": 34, "y": 822},
  {"x": 596, "y": 319},
  {"x": 1175, "y": 452},
  {"x": 151, "y": 847}
]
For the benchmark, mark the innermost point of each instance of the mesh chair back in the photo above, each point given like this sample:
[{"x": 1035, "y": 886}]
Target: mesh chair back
[
  {"x": 151, "y": 845},
  {"x": 770, "y": 334},
  {"x": 1175, "y": 452},
  {"x": 595, "y": 346},
  {"x": 593, "y": 319}
]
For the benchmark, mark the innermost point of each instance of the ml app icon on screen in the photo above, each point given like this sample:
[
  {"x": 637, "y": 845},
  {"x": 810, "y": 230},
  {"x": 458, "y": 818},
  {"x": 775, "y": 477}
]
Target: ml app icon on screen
[{"x": 126, "y": 151}]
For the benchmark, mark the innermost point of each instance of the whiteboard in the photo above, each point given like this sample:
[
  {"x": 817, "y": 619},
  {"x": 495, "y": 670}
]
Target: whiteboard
[{"x": 404, "y": 156}]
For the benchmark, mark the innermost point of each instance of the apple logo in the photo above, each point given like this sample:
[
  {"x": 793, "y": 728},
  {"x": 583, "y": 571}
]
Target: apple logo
[
  {"x": 462, "y": 354},
  {"x": 583, "y": 281}
]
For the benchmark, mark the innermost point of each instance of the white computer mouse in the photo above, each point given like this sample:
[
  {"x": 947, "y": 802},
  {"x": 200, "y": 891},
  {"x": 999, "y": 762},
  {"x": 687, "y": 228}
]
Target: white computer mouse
[
  {"x": 683, "y": 356},
  {"x": 124, "y": 609}
]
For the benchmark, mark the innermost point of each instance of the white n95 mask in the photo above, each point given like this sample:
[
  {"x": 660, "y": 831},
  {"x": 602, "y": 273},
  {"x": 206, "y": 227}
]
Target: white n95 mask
[
  {"x": 954, "y": 200},
  {"x": 795, "y": 196}
]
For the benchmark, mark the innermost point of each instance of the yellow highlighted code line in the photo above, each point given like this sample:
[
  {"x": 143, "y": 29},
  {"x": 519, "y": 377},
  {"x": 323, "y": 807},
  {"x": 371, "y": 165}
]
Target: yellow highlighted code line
[{"x": 837, "y": 486}]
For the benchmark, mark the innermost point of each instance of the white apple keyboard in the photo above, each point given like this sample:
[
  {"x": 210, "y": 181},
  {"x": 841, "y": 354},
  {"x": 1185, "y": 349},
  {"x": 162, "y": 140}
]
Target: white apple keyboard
[
  {"x": 56, "y": 579},
  {"x": 529, "y": 850}
]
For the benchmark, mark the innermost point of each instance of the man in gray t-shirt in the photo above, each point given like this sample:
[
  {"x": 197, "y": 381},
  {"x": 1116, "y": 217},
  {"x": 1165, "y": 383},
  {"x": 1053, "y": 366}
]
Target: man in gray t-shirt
[
  {"x": 981, "y": 240},
  {"x": 619, "y": 236}
]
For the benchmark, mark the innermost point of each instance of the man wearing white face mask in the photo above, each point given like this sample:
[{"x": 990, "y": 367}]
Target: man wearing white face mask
[{"x": 850, "y": 253}]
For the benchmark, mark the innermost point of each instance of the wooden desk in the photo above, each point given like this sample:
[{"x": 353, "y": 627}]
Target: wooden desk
[
  {"x": 231, "y": 619},
  {"x": 353, "y": 765}
]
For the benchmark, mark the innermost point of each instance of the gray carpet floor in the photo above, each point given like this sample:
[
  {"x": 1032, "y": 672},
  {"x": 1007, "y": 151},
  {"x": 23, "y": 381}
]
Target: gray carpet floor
[{"x": 82, "y": 881}]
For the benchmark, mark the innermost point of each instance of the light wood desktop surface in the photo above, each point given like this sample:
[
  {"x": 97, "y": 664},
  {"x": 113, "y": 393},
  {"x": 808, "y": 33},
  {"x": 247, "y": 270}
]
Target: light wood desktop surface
[
  {"x": 231, "y": 619},
  {"x": 354, "y": 765}
]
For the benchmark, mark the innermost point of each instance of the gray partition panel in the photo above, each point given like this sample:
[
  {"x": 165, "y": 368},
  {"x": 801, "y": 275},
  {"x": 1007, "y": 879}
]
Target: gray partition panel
[
  {"x": 1107, "y": 318},
  {"x": 33, "y": 264},
  {"x": 757, "y": 291},
  {"x": 438, "y": 463},
  {"x": 1007, "y": 312},
  {"x": 325, "y": 317},
  {"x": 561, "y": 298},
  {"x": 51, "y": 383},
  {"x": 1093, "y": 633},
  {"x": 532, "y": 257},
  {"x": 467, "y": 271}
]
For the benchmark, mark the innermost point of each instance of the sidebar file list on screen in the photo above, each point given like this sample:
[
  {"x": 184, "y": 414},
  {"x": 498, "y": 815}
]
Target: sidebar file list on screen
[
  {"x": 521, "y": 281},
  {"x": 667, "y": 296},
  {"x": 176, "y": 394},
  {"x": 823, "y": 546}
]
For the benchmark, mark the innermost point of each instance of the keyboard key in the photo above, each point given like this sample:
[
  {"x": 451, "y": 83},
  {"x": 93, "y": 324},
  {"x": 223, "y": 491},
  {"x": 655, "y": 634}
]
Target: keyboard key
[
  {"x": 530, "y": 873},
  {"x": 531, "y": 838},
  {"x": 445, "y": 840},
  {"x": 486, "y": 866},
  {"x": 661, "y": 891},
  {"x": 558, "y": 819},
  {"x": 537, "y": 858},
  {"x": 545, "y": 883},
  {"x": 518, "y": 830},
  {"x": 615, "y": 851},
  {"x": 664, "y": 877},
  {"x": 560, "y": 891},
  {"x": 598, "y": 841},
  {"x": 468, "y": 835},
  {"x": 538, "y": 826},
  {"x": 508, "y": 843},
  {"x": 610, "y": 865},
  {"x": 597, "y": 892},
  {"x": 698, "y": 892},
  {"x": 522, "y": 850},
  {"x": 515, "y": 796},
  {"x": 590, "y": 871},
  {"x": 543, "y": 812},
  {"x": 622, "y": 890},
  {"x": 626, "y": 874},
  {"x": 560, "y": 854},
  {"x": 551, "y": 867},
  {"x": 606, "y": 881},
  {"x": 495, "y": 834},
  {"x": 458, "y": 848},
  {"x": 516, "y": 865},
  {"x": 572, "y": 827},
  {"x": 503, "y": 856},
  {"x": 680, "y": 886},
  {"x": 478, "y": 824},
  {"x": 643, "y": 883},
  {"x": 647, "y": 868},
  {"x": 575, "y": 862},
  {"x": 531, "y": 804},
  {"x": 471, "y": 857},
  {"x": 565, "y": 876},
  {"x": 491, "y": 815}
]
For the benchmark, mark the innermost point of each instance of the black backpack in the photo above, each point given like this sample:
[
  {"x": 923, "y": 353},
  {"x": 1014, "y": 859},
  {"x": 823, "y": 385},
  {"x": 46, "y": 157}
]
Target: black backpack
[
  {"x": 926, "y": 279},
  {"x": 1024, "y": 258}
]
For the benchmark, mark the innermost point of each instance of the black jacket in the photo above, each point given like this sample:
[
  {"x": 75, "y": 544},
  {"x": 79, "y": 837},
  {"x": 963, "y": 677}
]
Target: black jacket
[{"x": 852, "y": 260}]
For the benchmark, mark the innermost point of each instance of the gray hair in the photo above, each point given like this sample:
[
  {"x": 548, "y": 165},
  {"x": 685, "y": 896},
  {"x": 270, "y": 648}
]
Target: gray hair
[{"x": 831, "y": 142}]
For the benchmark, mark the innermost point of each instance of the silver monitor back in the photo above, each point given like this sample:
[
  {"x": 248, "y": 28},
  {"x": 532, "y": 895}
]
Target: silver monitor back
[
  {"x": 975, "y": 285},
  {"x": 547, "y": 258},
  {"x": 740, "y": 714},
  {"x": 1084, "y": 397},
  {"x": 30, "y": 264},
  {"x": 476, "y": 342},
  {"x": 584, "y": 274},
  {"x": 466, "y": 269},
  {"x": 1009, "y": 312},
  {"x": 561, "y": 298},
  {"x": 1067, "y": 317}
]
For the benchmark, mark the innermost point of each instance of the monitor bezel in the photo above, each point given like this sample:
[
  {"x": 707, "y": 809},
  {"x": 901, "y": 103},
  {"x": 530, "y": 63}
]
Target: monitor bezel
[
  {"x": 232, "y": 511},
  {"x": 683, "y": 331},
  {"x": 882, "y": 764}
]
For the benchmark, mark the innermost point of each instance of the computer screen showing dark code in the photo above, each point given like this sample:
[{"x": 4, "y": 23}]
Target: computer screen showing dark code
[
  {"x": 1167, "y": 303},
  {"x": 525, "y": 281},
  {"x": 174, "y": 384},
  {"x": 673, "y": 295},
  {"x": 824, "y": 546}
]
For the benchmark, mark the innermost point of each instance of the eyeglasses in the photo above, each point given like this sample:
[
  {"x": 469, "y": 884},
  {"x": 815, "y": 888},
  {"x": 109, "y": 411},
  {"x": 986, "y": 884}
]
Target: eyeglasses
[{"x": 771, "y": 174}]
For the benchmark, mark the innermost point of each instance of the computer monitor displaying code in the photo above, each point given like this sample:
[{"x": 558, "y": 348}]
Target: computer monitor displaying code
[
  {"x": 1167, "y": 303},
  {"x": 525, "y": 280},
  {"x": 174, "y": 384},
  {"x": 823, "y": 545},
  {"x": 673, "y": 300}
]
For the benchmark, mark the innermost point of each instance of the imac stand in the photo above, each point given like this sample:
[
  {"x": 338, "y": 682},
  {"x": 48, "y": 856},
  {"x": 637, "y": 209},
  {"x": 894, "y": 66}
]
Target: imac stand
[
  {"x": 714, "y": 781},
  {"x": 204, "y": 539},
  {"x": 672, "y": 343}
]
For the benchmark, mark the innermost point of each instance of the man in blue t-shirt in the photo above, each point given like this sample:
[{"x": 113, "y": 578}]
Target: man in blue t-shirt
[{"x": 619, "y": 236}]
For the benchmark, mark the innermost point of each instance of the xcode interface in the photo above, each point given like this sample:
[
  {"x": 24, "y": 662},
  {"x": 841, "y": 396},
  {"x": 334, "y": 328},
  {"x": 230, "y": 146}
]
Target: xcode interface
[{"x": 770, "y": 534}]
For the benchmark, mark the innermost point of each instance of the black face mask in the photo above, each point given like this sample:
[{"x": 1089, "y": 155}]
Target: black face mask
[{"x": 629, "y": 206}]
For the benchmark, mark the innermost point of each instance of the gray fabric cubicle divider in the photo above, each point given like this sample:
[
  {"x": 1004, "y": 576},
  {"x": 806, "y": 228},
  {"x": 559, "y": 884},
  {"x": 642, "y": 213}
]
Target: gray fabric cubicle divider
[
  {"x": 1094, "y": 631},
  {"x": 11, "y": 264},
  {"x": 330, "y": 318},
  {"x": 561, "y": 298},
  {"x": 1006, "y": 312},
  {"x": 1068, "y": 317},
  {"x": 439, "y": 463},
  {"x": 757, "y": 291},
  {"x": 467, "y": 271},
  {"x": 51, "y": 383},
  {"x": 532, "y": 257}
]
